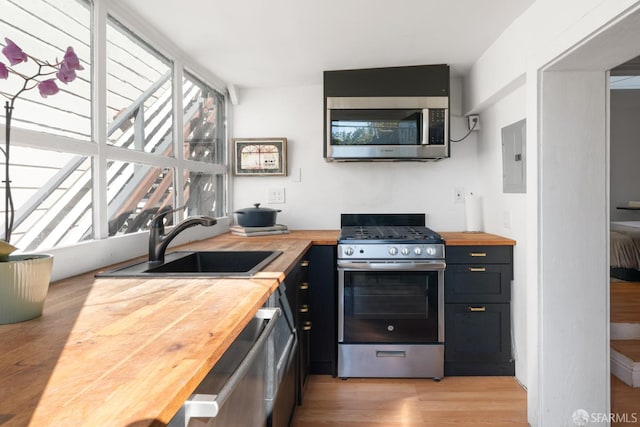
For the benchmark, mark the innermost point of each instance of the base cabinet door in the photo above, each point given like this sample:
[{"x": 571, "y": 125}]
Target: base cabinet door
[
  {"x": 323, "y": 345},
  {"x": 478, "y": 339},
  {"x": 297, "y": 282}
]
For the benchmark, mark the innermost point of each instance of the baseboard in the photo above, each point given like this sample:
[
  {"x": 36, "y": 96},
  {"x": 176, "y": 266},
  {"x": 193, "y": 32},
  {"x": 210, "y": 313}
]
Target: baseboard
[
  {"x": 625, "y": 331},
  {"x": 625, "y": 369}
]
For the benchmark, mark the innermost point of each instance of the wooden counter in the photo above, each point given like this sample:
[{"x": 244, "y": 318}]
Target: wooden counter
[
  {"x": 128, "y": 352},
  {"x": 461, "y": 238}
]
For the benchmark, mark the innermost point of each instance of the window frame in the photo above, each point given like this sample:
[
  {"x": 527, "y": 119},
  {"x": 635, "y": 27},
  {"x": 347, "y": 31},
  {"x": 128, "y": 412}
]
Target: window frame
[{"x": 103, "y": 250}]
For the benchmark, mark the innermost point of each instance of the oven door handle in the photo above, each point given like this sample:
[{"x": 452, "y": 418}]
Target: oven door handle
[{"x": 402, "y": 265}]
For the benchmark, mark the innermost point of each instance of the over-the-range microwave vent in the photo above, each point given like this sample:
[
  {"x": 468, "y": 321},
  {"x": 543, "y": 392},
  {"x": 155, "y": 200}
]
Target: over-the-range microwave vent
[{"x": 387, "y": 114}]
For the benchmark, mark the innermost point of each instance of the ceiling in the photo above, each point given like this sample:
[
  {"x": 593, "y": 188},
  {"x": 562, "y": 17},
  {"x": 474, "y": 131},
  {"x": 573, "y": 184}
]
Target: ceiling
[{"x": 259, "y": 43}]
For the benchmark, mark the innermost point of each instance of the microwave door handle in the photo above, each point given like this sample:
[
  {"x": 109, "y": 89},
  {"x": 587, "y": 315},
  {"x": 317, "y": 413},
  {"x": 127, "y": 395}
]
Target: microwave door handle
[{"x": 424, "y": 119}]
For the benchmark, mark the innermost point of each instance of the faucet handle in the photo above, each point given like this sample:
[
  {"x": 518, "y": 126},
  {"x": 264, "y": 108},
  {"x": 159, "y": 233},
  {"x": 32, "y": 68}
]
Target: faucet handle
[{"x": 158, "y": 219}]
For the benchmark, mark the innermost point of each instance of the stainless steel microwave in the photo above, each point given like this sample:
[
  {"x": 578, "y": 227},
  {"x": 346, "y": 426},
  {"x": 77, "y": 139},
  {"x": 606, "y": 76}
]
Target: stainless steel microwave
[{"x": 387, "y": 128}]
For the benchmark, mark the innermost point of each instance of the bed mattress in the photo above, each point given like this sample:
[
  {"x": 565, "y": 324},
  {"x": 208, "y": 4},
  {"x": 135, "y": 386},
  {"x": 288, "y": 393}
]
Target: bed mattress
[{"x": 625, "y": 245}]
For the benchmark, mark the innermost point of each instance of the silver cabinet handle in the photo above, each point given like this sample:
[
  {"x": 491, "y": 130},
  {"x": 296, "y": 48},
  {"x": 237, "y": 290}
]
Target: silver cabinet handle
[{"x": 390, "y": 353}]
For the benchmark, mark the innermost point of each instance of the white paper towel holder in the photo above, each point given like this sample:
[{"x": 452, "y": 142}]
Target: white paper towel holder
[{"x": 473, "y": 214}]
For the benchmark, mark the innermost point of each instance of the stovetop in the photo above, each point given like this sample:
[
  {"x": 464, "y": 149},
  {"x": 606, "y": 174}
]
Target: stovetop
[
  {"x": 388, "y": 234},
  {"x": 388, "y": 237},
  {"x": 386, "y": 228}
]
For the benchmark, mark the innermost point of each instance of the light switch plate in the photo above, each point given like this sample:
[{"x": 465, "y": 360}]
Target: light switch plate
[{"x": 275, "y": 195}]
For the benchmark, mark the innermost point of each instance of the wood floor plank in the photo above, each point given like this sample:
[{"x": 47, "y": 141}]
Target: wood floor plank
[
  {"x": 454, "y": 401},
  {"x": 625, "y": 300},
  {"x": 625, "y": 400},
  {"x": 630, "y": 348}
]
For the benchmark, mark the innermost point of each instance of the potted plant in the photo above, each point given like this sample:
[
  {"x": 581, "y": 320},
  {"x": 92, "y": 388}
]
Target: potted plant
[{"x": 24, "y": 279}]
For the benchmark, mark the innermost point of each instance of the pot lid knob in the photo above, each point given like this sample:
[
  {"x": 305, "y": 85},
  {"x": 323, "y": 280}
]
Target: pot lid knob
[{"x": 257, "y": 205}]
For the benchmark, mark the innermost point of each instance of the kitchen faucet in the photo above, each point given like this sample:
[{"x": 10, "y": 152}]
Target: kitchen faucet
[{"x": 158, "y": 241}]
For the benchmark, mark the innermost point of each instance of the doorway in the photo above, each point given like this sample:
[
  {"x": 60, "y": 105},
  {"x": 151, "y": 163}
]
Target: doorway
[{"x": 573, "y": 226}]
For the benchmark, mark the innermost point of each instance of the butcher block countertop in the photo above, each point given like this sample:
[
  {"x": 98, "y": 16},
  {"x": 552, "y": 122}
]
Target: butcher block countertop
[
  {"x": 462, "y": 238},
  {"x": 128, "y": 351}
]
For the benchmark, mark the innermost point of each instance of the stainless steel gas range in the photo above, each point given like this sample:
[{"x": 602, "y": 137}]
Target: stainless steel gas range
[{"x": 390, "y": 297}]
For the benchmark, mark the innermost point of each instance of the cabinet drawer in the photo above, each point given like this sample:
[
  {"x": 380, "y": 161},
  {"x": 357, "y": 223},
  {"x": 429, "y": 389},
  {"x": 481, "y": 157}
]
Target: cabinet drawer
[
  {"x": 477, "y": 333},
  {"x": 477, "y": 283},
  {"x": 479, "y": 254}
]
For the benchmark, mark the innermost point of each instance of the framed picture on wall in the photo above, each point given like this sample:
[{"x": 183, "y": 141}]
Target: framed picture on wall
[{"x": 260, "y": 156}]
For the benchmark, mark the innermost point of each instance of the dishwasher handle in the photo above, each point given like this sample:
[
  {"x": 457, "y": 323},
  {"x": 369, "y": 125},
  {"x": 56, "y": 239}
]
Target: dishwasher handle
[{"x": 208, "y": 405}]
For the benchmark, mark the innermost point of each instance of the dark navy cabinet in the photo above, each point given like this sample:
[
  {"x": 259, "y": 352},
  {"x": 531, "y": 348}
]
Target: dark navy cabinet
[
  {"x": 478, "y": 310},
  {"x": 322, "y": 290}
]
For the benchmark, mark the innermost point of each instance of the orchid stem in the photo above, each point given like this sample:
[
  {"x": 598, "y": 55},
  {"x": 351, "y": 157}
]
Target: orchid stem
[{"x": 8, "y": 200}]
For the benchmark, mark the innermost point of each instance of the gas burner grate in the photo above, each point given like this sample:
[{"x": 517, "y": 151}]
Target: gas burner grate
[{"x": 389, "y": 233}]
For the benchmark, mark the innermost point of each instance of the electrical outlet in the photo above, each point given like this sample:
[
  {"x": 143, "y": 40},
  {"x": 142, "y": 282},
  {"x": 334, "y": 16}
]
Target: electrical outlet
[
  {"x": 474, "y": 122},
  {"x": 275, "y": 195},
  {"x": 458, "y": 195}
]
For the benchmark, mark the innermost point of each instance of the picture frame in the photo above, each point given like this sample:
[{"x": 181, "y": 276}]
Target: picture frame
[{"x": 260, "y": 156}]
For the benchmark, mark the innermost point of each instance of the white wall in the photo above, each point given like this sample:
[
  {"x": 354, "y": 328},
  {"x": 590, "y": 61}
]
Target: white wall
[
  {"x": 545, "y": 31},
  {"x": 574, "y": 275},
  {"x": 326, "y": 190},
  {"x": 625, "y": 153},
  {"x": 506, "y": 214}
]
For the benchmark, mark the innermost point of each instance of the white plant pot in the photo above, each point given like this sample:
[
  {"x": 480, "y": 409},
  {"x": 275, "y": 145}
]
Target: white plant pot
[{"x": 24, "y": 283}]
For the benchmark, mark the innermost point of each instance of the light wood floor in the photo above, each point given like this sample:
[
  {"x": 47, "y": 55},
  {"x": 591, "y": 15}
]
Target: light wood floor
[
  {"x": 625, "y": 300},
  {"x": 630, "y": 348},
  {"x": 454, "y": 401},
  {"x": 624, "y": 400}
]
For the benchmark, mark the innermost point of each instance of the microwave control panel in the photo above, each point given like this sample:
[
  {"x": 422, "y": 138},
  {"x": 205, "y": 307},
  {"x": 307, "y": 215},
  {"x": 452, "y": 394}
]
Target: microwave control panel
[{"x": 437, "y": 126}]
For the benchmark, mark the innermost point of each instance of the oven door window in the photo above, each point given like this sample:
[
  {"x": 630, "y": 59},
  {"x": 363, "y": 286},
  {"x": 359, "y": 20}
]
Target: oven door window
[
  {"x": 376, "y": 127},
  {"x": 390, "y": 307}
]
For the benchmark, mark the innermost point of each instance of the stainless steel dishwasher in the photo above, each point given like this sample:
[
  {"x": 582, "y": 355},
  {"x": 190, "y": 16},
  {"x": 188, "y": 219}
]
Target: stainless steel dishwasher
[
  {"x": 233, "y": 393},
  {"x": 281, "y": 361}
]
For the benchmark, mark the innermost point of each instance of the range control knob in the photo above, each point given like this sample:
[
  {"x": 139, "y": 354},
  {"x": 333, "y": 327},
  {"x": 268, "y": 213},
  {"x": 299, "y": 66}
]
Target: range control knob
[
  {"x": 417, "y": 250},
  {"x": 405, "y": 251},
  {"x": 348, "y": 250},
  {"x": 393, "y": 250},
  {"x": 431, "y": 250}
]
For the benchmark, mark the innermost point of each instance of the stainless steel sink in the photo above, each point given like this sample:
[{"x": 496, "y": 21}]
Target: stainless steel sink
[{"x": 199, "y": 264}]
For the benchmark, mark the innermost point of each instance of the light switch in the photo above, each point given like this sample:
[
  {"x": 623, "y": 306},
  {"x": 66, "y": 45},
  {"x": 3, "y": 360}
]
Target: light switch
[{"x": 275, "y": 195}]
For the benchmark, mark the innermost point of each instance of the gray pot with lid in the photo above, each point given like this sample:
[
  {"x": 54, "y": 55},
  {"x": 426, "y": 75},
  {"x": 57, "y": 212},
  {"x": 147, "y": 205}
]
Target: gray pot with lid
[{"x": 256, "y": 216}]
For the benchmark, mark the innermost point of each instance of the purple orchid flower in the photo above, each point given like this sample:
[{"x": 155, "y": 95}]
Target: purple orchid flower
[
  {"x": 48, "y": 87},
  {"x": 66, "y": 75},
  {"x": 4, "y": 72},
  {"x": 70, "y": 60},
  {"x": 14, "y": 54}
]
